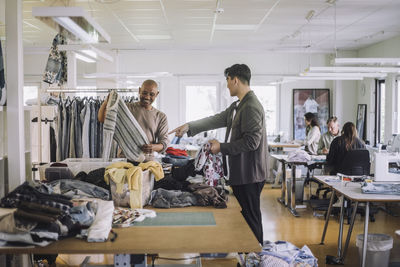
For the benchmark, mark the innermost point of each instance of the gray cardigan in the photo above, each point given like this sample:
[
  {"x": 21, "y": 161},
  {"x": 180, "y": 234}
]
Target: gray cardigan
[{"x": 248, "y": 148}]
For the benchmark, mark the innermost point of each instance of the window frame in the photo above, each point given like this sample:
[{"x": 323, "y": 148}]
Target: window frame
[{"x": 378, "y": 106}]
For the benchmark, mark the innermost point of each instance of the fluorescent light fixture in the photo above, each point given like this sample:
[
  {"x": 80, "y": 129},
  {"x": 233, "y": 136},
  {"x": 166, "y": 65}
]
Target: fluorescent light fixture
[
  {"x": 235, "y": 27},
  {"x": 74, "y": 28},
  {"x": 355, "y": 69},
  {"x": 326, "y": 78},
  {"x": 126, "y": 75},
  {"x": 84, "y": 58},
  {"x": 76, "y": 22},
  {"x": 88, "y": 50},
  {"x": 366, "y": 61},
  {"x": 344, "y": 74},
  {"x": 310, "y": 15}
]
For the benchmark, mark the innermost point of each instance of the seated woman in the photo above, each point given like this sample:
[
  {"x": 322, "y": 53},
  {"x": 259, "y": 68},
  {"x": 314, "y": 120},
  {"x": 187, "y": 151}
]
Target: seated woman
[
  {"x": 313, "y": 133},
  {"x": 341, "y": 145}
]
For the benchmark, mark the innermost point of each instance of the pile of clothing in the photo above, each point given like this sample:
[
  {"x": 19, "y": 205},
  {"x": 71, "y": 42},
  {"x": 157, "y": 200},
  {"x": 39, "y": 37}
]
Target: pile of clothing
[
  {"x": 189, "y": 195},
  {"x": 280, "y": 253}
]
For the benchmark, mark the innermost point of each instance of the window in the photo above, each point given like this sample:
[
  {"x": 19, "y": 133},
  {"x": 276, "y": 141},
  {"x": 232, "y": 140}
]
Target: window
[
  {"x": 31, "y": 94},
  {"x": 398, "y": 105},
  {"x": 380, "y": 114},
  {"x": 201, "y": 101},
  {"x": 268, "y": 98}
]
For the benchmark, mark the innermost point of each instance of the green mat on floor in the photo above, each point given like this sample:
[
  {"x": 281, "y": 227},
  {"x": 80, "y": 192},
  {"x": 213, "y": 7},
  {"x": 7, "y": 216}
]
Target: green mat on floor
[{"x": 179, "y": 219}]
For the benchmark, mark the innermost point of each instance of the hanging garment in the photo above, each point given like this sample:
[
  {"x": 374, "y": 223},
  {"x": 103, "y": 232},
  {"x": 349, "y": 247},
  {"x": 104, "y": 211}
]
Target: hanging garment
[
  {"x": 210, "y": 164},
  {"x": 56, "y": 68},
  {"x": 3, "y": 95},
  {"x": 120, "y": 125}
]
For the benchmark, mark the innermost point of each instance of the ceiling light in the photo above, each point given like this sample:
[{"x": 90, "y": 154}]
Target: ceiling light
[
  {"x": 84, "y": 58},
  {"x": 75, "y": 20},
  {"x": 326, "y": 78},
  {"x": 310, "y": 15},
  {"x": 331, "y": 2},
  {"x": 344, "y": 74},
  {"x": 355, "y": 69},
  {"x": 382, "y": 61},
  {"x": 88, "y": 50}
]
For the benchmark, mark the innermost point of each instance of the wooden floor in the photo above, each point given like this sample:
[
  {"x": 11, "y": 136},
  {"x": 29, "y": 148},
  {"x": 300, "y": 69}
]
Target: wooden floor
[{"x": 279, "y": 224}]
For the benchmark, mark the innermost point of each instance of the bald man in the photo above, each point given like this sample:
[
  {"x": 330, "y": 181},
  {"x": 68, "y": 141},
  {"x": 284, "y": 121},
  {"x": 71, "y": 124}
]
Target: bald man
[{"x": 153, "y": 122}]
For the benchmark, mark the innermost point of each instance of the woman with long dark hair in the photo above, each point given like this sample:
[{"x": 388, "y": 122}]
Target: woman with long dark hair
[
  {"x": 313, "y": 133},
  {"x": 341, "y": 145}
]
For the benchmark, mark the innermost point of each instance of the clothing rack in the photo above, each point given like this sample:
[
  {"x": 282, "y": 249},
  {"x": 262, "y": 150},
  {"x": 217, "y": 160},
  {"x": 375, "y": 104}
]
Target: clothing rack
[{"x": 94, "y": 90}]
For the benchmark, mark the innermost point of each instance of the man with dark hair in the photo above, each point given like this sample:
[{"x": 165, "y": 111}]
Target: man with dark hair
[
  {"x": 245, "y": 144},
  {"x": 327, "y": 138},
  {"x": 153, "y": 122}
]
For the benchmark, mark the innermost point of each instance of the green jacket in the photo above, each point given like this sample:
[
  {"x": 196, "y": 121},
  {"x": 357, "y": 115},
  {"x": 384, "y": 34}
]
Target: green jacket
[{"x": 248, "y": 149}]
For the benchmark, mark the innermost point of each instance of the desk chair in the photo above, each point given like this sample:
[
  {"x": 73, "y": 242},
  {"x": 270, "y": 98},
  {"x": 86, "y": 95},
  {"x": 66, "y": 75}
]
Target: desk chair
[{"x": 357, "y": 162}]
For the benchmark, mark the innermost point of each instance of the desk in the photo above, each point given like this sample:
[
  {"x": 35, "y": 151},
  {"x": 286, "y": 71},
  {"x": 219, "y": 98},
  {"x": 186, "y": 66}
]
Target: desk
[
  {"x": 353, "y": 192},
  {"x": 230, "y": 234},
  {"x": 283, "y": 145},
  {"x": 284, "y": 160}
]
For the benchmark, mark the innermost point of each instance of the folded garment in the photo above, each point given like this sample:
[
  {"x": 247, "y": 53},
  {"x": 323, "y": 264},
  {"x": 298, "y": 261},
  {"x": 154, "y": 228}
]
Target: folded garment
[
  {"x": 162, "y": 198},
  {"x": 299, "y": 156},
  {"x": 79, "y": 189},
  {"x": 381, "y": 188},
  {"x": 101, "y": 227},
  {"x": 176, "y": 151}
]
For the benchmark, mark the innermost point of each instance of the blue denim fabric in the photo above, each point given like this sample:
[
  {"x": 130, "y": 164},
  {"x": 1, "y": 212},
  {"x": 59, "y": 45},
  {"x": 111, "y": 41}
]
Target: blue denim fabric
[
  {"x": 176, "y": 160},
  {"x": 65, "y": 132},
  {"x": 93, "y": 130},
  {"x": 78, "y": 129},
  {"x": 75, "y": 188},
  {"x": 162, "y": 198},
  {"x": 85, "y": 116},
  {"x": 60, "y": 132},
  {"x": 72, "y": 111},
  {"x": 84, "y": 214}
]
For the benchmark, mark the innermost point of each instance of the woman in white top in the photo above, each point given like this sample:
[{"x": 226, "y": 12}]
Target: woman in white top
[{"x": 313, "y": 133}]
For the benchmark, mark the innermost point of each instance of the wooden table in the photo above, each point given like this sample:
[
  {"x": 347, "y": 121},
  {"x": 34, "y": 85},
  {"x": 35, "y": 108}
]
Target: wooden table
[
  {"x": 230, "y": 234},
  {"x": 284, "y": 160},
  {"x": 353, "y": 192}
]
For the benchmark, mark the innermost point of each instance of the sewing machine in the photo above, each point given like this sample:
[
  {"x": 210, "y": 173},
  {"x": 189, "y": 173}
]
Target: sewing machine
[{"x": 387, "y": 166}]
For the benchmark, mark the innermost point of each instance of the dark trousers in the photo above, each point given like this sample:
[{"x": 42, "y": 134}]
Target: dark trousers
[{"x": 248, "y": 196}]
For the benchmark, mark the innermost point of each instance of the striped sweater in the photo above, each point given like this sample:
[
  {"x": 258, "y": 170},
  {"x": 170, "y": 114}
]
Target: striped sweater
[{"x": 121, "y": 126}]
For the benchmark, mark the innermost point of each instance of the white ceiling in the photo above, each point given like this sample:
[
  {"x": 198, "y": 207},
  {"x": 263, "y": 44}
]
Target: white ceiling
[{"x": 243, "y": 24}]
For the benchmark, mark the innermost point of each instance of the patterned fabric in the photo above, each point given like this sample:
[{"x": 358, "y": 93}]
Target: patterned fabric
[
  {"x": 210, "y": 164},
  {"x": 56, "y": 68},
  {"x": 120, "y": 125}
]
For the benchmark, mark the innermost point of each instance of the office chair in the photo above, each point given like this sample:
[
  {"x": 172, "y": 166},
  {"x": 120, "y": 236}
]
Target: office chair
[{"x": 357, "y": 162}]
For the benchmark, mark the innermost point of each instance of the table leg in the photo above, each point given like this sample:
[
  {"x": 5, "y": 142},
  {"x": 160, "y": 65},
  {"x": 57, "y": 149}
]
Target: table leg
[
  {"x": 293, "y": 193},
  {"x": 282, "y": 198},
  {"x": 364, "y": 252},
  {"x": 340, "y": 238},
  {"x": 353, "y": 217},
  {"x": 328, "y": 215}
]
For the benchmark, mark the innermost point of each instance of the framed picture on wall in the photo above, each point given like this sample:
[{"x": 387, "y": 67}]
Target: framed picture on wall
[
  {"x": 309, "y": 100},
  {"x": 361, "y": 121}
]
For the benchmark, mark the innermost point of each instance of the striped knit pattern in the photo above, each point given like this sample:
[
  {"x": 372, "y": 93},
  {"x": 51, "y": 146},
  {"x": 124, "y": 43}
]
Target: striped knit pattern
[{"x": 121, "y": 126}]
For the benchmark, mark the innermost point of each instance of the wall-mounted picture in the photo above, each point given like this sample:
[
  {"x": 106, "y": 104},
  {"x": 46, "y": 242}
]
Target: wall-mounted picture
[
  {"x": 309, "y": 100},
  {"x": 361, "y": 121}
]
